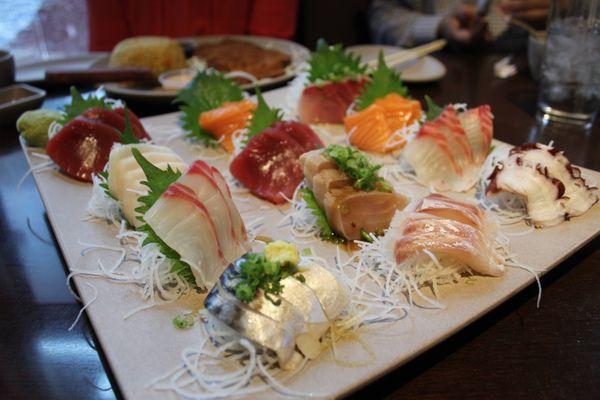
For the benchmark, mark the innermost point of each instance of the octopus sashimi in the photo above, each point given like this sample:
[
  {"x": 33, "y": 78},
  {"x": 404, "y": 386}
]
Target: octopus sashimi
[{"x": 551, "y": 189}]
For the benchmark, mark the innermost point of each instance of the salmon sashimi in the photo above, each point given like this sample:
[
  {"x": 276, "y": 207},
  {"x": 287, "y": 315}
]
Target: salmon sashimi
[
  {"x": 269, "y": 164},
  {"x": 196, "y": 217},
  {"x": 223, "y": 121},
  {"x": 448, "y": 152},
  {"x": 328, "y": 103},
  {"x": 125, "y": 176},
  {"x": 349, "y": 211},
  {"x": 438, "y": 227},
  {"x": 381, "y": 126},
  {"x": 81, "y": 148}
]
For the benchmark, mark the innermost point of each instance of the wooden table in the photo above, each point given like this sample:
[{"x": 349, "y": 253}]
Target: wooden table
[{"x": 516, "y": 351}]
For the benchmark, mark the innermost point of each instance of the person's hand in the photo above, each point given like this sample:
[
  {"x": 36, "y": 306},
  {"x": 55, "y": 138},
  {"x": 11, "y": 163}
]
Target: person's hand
[
  {"x": 533, "y": 12},
  {"x": 464, "y": 27}
]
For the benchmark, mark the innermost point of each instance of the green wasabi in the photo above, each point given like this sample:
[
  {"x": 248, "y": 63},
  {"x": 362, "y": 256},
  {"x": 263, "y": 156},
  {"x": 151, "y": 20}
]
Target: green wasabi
[{"x": 33, "y": 126}]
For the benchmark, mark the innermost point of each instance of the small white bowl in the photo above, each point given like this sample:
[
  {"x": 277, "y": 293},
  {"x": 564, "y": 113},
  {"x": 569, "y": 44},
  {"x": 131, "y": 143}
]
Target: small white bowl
[{"x": 176, "y": 79}]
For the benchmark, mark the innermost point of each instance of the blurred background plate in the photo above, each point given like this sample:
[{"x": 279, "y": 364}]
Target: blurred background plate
[
  {"x": 425, "y": 69},
  {"x": 153, "y": 94}
]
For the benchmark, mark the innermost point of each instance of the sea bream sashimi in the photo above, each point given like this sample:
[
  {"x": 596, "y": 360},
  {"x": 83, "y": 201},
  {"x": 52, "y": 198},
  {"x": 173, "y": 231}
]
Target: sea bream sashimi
[
  {"x": 197, "y": 219},
  {"x": 448, "y": 152},
  {"x": 125, "y": 176},
  {"x": 542, "y": 178},
  {"x": 350, "y": 211},
  {"x": 451, "y": 230},
  {"x": 269, "y": 165}
]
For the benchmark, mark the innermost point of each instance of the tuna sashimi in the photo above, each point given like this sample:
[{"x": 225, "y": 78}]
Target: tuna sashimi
[
  {"x": 82, "y": 147},
  {"x": 328, "y": 103},
  {"x": 269, "y": 164},
  {"x": 449, "y": 229},
  {"x": 448, "y": 153},
  {"x": 125, "y": 175}
]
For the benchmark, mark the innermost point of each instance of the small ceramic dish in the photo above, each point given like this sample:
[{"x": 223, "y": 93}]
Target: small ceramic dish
[
  {"x": 16, "y": 99},
  {"x": 176, "y": 79}
]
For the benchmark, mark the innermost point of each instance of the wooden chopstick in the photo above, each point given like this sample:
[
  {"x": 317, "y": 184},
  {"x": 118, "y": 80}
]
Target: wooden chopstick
[{"x": 410, "y": 54}]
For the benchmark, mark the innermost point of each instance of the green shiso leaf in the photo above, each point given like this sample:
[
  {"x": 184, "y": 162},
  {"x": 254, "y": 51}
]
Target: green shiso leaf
[
  {"x": 263, "y": 116},
  {"x": 333, "y": 63},
  {"x": 433, "y": 110},
  {"x": 157, "y": 181},
  {"x": 383, "y": 82},
  {"x": 325, "y": 231},
  {"x": 208, "y": 90},
  {"x": 127, "y": 136},
  {"x": 79, "y": 105}
]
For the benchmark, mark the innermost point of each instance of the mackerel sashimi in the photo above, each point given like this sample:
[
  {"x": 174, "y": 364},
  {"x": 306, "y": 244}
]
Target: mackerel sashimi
[
  {"x": 542, "y": 178},
  {"x": 448, "y": 152},
  {"x": 82, "y": 147},
  {"x": 197, "y": 218},
  {"x": 451, "y": 230},
  {"x": 302, "y": 314},
  {"x": 125, "y": 176},
  {"x": 269, "y": 165}
]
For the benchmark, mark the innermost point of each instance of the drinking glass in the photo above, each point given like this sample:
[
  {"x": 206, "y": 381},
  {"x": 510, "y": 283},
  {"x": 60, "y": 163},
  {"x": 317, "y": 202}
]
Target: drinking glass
[{"x": 570, "y": 73}]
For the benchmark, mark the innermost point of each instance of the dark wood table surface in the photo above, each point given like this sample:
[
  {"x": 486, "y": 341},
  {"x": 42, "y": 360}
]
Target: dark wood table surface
[{"x": 515, "y": 351}]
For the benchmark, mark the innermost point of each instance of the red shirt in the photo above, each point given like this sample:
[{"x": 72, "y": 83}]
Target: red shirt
[{"x": 111, "y": 21}]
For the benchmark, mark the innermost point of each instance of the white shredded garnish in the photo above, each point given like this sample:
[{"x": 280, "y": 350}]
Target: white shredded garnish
[{"x": 86, "y": 305}]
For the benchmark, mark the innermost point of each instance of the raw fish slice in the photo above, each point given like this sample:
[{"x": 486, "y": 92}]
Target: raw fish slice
[
  {"x": 541, "y": 193},
  {"x": 116, "y": 119},
  {"x": 125, "y": 175},
  {"x": 349, "y": 210},
  {"x": 331, "y": 294},
  {"x": 328, "y": 180},
  {"x": 433, "y": 165},
  {"x": 238, "y": 224},
  {"x": 81, "y": 148},
  {"x": 327, "y": 103},
  {"x": 445, "y": 207},
  {"x": 448, "y": 124},
  {"x": 223, "y": 121},
  {"x": 184, "y": 224},
  {"x": 273, "y": 327},
  {"x": 445, "y": 237},
  {"x": 302, "y": 134},
  {"x": 269, "y": 165},
  {"x": 578, "y": 197},
  {"x": 199, "y": 178},
  {"x": 314, "y": 162},
  {"x": 477, "y": 124}
]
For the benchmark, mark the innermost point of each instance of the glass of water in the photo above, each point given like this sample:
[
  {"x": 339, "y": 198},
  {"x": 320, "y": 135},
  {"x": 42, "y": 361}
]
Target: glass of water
[{"x": 570, "y": 73}]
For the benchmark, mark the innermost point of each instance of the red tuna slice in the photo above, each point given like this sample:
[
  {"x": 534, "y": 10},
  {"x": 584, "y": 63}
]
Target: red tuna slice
[
  {"x": 116, "y": 119},
  {"x": 301, "y": 133},
  {"x": 81, "y": 148},
  {"x": 328, "y": 103},
  {"x": 269, "y": 165}
]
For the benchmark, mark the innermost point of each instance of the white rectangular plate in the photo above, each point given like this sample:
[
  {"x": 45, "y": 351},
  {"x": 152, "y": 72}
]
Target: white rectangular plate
[{"x": 147, "y": 345}]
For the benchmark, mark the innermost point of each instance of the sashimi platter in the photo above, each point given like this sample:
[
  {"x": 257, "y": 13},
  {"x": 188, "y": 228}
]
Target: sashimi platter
[{"x": 300, "y": 242}]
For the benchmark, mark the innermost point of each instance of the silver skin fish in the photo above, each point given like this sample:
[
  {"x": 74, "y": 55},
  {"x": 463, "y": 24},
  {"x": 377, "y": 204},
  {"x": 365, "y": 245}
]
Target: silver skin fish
[{"x": 299, "y": 321}]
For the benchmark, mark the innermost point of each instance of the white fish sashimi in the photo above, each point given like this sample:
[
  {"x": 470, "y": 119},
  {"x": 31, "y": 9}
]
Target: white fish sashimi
[
  {"x": 125, "y": 175},
  {"x": 438, "y": 227},
  {"x": 208, "y": 192},
  {"x": 184, "y": 224},
  {"x": 448, "y": 153}
]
